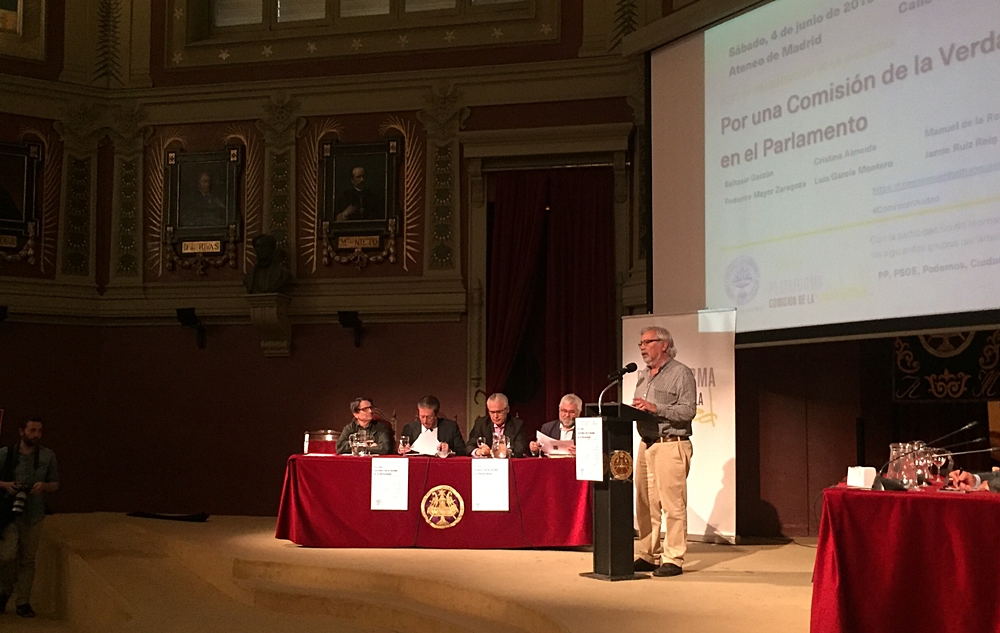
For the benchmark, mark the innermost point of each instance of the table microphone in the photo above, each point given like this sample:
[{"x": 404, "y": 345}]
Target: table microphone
[{"x": 928, "y": 444}]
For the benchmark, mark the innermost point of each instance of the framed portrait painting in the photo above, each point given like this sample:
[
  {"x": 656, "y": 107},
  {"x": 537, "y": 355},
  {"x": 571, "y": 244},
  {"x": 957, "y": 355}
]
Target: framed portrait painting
[
  {"x": 360, "y": 185},
  {"x": 19, "y": 171},
  {"x": 201, "y": 196}
]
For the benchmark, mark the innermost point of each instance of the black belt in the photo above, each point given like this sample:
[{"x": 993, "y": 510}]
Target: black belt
[{"x": 668, "y": 438}]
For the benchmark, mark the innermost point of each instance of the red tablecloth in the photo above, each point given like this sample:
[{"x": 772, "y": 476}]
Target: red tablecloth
[
  {"x": 908, "y": 562},
  {"x": 326, "y": 502}
]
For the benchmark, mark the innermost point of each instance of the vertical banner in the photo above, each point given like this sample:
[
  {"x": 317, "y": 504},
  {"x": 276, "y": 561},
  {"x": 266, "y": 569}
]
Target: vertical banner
[{"x": 705, "y": 342}]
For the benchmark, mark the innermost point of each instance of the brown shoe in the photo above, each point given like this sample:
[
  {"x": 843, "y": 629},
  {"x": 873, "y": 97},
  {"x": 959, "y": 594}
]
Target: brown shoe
[{"x": 668, "y": 569}]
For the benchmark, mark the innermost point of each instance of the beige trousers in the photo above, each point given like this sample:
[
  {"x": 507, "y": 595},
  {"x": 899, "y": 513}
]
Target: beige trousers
[{"x": 661, "y": 472}]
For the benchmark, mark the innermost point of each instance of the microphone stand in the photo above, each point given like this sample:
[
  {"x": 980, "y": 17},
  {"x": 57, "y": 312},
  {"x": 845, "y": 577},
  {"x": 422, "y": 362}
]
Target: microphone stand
[{"x": 600, "y": 398}]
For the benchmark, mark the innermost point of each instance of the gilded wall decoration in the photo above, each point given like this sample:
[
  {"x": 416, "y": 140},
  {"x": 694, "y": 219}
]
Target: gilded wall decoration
[
  {"x": 128, "y": 222},
  {"x": 108, "y": 68},
  {"x": 947, "y": 367},
  {"x": 253, "y": 187},
  {"x": 310, "y": 222},
  {"x": 280, "y": 197},
  {"x": 442, "y": 256},
  {"x": 76, "y": 256},
  {"x": 413, "y": 184},
  {"x": 48, "y": 227},
  {"x": 154, "y": 193}
]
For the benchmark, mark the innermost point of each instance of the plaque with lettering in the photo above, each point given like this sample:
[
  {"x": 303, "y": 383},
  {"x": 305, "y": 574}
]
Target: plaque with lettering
[
  {"x": 203, "y": 246},
  {"x": 358, "y": 241},
  {"x": 8, "y": 241}
]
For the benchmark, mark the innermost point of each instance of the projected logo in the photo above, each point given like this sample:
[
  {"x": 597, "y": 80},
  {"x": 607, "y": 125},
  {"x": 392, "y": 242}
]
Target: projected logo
[{"x": 742, "y": 280}]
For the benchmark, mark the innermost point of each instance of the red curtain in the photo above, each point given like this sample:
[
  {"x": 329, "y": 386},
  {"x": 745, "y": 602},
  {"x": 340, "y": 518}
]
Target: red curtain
[
  {"x": 552, "y": 241},
  {"x": 515, "y": 244}
]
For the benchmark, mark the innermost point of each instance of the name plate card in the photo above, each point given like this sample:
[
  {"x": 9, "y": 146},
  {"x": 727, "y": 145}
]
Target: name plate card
[
  {"x": 204, "y": 246},
  {"x": 589, "y": 449},
  {"x": 8, "y": 241},
  {"x": 491, "y": 485},
  {"x": 390, "y": 483},
  {"x": 358, "y": 241}
]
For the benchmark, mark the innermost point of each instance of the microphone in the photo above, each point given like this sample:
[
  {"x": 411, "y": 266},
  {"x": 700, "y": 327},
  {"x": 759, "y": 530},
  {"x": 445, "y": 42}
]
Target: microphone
[
  {"x": 627, "y": 369},
  {"x": 928, "y": 444}
]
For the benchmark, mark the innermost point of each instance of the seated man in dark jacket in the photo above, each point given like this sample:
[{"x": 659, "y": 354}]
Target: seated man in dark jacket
[
  {"x": 498, "y": 421},
  {"x": 445, "y": 431},
  {"x": 964, "y": 480},
  {"x": 379, "y": 433}
]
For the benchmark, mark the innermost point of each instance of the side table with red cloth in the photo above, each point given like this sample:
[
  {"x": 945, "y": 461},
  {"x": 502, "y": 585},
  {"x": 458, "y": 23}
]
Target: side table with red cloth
[
  {"x": 326, "y": 502},
  {"x": 907, "y": 562}
]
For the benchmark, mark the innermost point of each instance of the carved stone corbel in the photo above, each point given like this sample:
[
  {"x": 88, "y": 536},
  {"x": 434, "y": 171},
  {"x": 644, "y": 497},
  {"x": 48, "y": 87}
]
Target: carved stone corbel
[
  {"x": 444, "y": 115},
  {"x": 80, "y": 129},
  {"x": 269, "y": 314}
]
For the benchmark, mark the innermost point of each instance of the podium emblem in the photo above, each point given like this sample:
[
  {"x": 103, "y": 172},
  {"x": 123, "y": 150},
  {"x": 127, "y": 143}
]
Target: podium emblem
[
  {"x": 621, "y": 465},
  {"x": 442, "y": 507}
]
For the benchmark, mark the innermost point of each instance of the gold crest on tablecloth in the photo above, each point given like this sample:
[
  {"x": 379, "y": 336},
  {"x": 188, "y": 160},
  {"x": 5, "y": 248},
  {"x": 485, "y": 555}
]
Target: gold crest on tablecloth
[{"x": 442, "y": 507}]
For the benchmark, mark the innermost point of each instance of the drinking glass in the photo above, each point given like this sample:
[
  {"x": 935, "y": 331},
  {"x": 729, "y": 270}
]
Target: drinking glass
[
  {"x": 355, "y": 447},
  {"x": 501, "y": 447},
  {"x": 404, "y": 444},
  {"x": 480, "y": 442}
]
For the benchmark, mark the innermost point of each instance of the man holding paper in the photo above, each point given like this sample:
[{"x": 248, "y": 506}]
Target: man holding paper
[
  {"x": 563, "y": 429},
  {"x": 667, "y": 389},
  {"x": 430, "y": 433}
]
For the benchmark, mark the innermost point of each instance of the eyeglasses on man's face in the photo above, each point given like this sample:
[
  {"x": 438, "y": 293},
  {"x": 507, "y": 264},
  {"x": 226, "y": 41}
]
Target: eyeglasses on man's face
[
  {"x": 368, "y": 408},
  {"x": 499, "y": 411},
  {"x": 649, "y": 341}
]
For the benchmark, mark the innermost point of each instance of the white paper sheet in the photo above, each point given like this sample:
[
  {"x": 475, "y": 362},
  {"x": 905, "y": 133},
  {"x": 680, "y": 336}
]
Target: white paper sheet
[
  {"x": 552, "y": 447},
  {"x": 490, "y": 485},
  {"x": 589, "y": 449},
  {"x": 425, "y": 444},
  {"x": 390, "y": 483}
]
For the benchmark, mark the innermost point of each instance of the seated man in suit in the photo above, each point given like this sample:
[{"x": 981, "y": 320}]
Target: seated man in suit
[
  {"x": 570, "y": 407},
  {"x": 498, "y": 422},
  {"x": 445, "y": 431},
  {"x": 970, "y": 481},
  {"x": 378, "y": 431}
]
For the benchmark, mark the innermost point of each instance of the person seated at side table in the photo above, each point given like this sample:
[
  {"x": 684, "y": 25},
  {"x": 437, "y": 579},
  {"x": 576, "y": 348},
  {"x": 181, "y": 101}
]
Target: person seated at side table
[
  {"x": 378, "y": 431},
  {"x": 445, "y": 431},
  {"x": 570, "y": 407},
  {"x": 498, "y": 421}
]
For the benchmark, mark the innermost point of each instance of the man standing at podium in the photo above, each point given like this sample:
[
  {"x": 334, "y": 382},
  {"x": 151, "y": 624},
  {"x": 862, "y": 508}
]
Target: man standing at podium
[{"x": 667, "y": 389}]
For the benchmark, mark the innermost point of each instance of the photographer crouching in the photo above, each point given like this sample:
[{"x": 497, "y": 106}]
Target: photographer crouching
[{"x": 27, "y": 471}]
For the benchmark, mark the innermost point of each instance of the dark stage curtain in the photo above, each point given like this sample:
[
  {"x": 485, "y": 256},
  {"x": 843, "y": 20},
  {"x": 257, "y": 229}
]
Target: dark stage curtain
[{"x": 550, "y": 303}]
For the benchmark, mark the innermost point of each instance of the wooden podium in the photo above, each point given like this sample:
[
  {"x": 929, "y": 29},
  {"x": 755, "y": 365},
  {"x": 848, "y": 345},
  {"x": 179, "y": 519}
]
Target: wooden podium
[{"x": 613, "y": 523}]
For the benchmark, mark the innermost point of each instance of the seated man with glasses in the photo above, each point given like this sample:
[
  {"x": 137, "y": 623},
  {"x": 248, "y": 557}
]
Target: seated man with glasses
[
  {"x": 497, "y": 422},
  {"x": 564, "y": 428},
  {"x": 364, "y": 419},
  {"x": 667, "y": 389}
]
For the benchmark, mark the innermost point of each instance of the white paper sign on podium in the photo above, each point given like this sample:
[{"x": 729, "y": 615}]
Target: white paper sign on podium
[
  {"x": 491, "y": 485},
  {"x": 589, "y": 449},
  {"x": 390, "y": 483}
]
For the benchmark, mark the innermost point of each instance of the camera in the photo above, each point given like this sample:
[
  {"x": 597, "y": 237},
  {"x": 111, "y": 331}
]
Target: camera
[{"x": 20, "y": 498}]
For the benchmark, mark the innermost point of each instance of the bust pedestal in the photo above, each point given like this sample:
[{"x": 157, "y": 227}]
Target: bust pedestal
[{"x": 269, "y": 314}]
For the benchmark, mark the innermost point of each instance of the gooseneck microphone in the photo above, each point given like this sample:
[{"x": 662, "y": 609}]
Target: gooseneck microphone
[
  {"x": 627, "y": 369},
  {"x": 615, "y": 377}
]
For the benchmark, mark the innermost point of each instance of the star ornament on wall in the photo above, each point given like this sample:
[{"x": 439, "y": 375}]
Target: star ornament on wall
[
  {"x": 546, "y": 29},
  {"x": 449, "y": 36},
  {"x": 267, "y": 52},
  {"x": 178, "y": 13},
  {"x": 224, "y": 54},
  {"x": 404, "y": 40},
  {"x": 311, "y": 47},
  {"x": 497, "y": 33},
  {"x": 178, "y": 57},
  {"x": 356, "y": 44}
]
